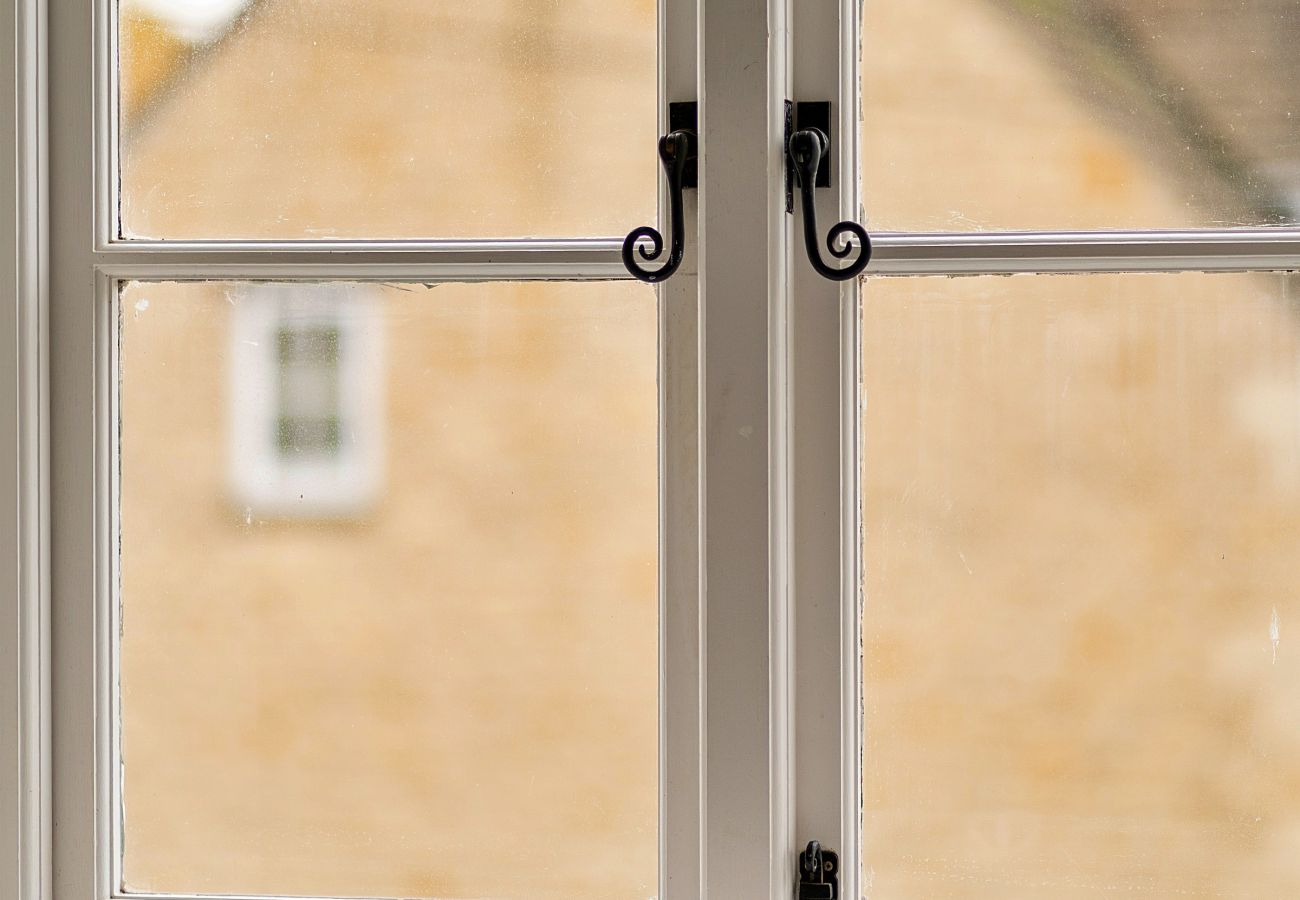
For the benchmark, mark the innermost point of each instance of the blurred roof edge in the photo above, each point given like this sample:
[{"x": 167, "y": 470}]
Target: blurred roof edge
[
  {"x": 191, "y": 21},
  {"x": 1109, "y": 44},
  {"x": 160, "y": 39}
]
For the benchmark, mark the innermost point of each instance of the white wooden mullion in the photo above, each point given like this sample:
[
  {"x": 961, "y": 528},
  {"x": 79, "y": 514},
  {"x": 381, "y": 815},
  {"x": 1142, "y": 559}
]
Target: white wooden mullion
[
  {"x": 81, "y": 859},
  {"x": 743, "y": 252}
]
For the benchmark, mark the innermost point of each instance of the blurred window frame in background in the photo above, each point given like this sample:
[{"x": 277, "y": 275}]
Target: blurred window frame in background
[{"x": 305, "y": 400}]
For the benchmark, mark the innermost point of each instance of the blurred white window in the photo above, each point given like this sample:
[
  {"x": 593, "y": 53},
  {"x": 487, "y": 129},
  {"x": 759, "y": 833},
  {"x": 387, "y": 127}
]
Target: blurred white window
[{"x": 305, "y": 400}]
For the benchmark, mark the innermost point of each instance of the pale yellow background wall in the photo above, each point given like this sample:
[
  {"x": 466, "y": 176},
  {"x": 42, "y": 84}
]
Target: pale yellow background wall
[
  {"x": 450, "y": 695},
  {"x": 1082, "y": 507},
  {"x": 403, "y": 118}
]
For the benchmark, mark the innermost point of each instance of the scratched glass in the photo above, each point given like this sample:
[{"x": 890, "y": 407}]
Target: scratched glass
[
  {"x": 1082, "y": 507},
  {"x": 1080, "y": 114},
  {"x": 303, "y": 119},
  {"x": 388, "y": 584}
]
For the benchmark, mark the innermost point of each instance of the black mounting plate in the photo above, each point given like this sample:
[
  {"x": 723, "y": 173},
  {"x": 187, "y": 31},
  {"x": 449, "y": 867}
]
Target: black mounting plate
[
  {"x": 685, "y": 116},
  {"x": 817, "y": 114}
]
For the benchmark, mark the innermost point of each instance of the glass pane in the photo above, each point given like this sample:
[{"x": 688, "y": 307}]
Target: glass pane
[
  {"x": 389, "y": 590},
  {"x": 1082, "y": 507},
  {"x": 290, "y": 119},
  {"x": 1080, "y": 114}
]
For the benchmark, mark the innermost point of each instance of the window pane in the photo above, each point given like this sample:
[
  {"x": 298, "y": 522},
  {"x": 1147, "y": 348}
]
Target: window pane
[
  {"x": 1082, "y": 507},
  {"x": 298, "y": 119},
  {"x": 1080, "y": 114},
  {"x": 389, "y": 590}
]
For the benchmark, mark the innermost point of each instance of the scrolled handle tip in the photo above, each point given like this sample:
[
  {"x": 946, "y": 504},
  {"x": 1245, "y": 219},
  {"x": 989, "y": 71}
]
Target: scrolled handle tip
[
  {"x": 840, "y": 242},
  {"x": 648, "y": 242},
  {"x": 633, "y": 245}
]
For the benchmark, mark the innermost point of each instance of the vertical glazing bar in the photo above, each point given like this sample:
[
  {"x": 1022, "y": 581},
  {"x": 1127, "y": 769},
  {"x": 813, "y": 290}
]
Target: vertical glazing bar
[
  {"x": 824, "y": 366},
  {"x": 679, "y": 508}
]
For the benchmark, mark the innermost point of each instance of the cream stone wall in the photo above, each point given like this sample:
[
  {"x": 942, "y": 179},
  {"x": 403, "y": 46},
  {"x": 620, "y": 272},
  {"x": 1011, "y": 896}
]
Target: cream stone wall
[
  {"x": 395, "y": 118},
  {"x": 450, "y": 695},
  {"x": 1081, "y": 507}
]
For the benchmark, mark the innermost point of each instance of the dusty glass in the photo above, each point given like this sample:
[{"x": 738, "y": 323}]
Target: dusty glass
[
  {"x": 290, "y": 119},
  {"x": 1082, "y": 508},
  {"x": 1080, "y": 114},
  {"x": 388, "y": 590}
]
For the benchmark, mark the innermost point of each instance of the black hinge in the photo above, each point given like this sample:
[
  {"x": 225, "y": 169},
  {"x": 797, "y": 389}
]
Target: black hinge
[{"x": 819, "y": 873}]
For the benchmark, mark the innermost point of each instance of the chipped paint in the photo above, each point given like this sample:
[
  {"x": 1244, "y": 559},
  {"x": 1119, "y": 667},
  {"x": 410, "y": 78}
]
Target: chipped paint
[{"x": 1275, "y": 633}]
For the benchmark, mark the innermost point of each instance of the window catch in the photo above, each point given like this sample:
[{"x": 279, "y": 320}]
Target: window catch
[
  {"x": 808, "y": 158},
  {"x": 819, "y": 873},
  {"x": 679, "y": 153}
]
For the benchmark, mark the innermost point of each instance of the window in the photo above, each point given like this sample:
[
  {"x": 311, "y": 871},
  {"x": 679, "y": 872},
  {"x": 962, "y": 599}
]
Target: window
[
  {"x": 378, "y": 536},
  {"x": 306, "y": 400}
]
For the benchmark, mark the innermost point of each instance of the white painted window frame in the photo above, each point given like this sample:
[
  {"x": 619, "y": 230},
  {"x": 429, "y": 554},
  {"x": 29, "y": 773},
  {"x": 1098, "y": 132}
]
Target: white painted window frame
[
  {"x": 759, "y": 539},
  {"x": 25, "y": 763}
]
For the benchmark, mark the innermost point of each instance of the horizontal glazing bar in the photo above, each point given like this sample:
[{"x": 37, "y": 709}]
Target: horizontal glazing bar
[
  {"x": 1113, "y": 251},
  {"x": 135, "y": 895},
  {"x": 354, "y": 270},
  {"x": 452, "y": 248},
  {"x": 894, "y": 254},
  {"x": 385, "y": 261}
]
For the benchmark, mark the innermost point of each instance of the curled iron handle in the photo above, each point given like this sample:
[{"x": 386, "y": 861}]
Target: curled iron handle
[
  {"x": 807, "y": 147},
  {"x": 676, "y": 149}
]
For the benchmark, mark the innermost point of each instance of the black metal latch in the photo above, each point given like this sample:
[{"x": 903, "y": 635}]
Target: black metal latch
[
  {"x": 808, "y": 159},
  {"x": 819, "y": 873},
  {"x": 679, "y": 152}
]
